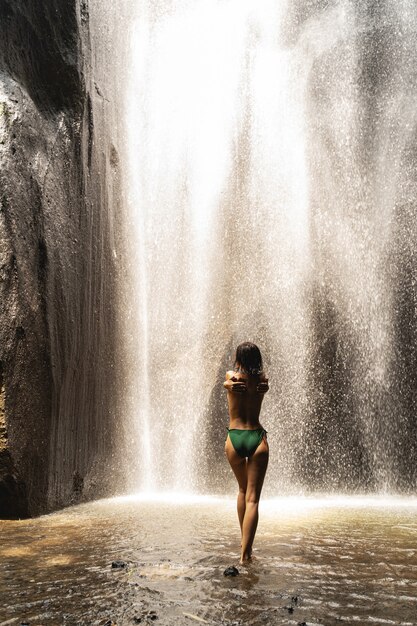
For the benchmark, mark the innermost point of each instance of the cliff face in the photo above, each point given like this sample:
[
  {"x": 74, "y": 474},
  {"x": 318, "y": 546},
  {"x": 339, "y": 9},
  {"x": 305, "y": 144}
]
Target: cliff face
[{"x": 57, "y": 314}]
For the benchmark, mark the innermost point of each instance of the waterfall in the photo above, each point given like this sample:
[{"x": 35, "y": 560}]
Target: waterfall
[{"x": 268, "y": 168}]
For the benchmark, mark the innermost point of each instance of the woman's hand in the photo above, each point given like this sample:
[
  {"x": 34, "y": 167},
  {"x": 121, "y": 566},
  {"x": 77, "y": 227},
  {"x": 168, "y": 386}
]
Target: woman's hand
[
  {"x": 235, "y": 386},
  {"x": 262, "y": 387}
]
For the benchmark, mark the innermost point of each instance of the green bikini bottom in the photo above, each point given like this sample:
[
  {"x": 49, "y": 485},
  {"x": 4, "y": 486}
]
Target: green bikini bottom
[{"x": 245, "y": 442}]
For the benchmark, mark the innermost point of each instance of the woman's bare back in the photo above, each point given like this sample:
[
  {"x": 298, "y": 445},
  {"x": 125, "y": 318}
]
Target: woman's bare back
[{"x": 245, "y": 396}]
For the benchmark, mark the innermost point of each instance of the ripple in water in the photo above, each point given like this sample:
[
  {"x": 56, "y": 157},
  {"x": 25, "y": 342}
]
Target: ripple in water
[{"x": 332, "y": 559}]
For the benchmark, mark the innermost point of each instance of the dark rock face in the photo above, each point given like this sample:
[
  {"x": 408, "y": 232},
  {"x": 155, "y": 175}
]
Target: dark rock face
[
  {"x": 40, "y": 51},
  {"x": 12, "y": 490},
  {"x": 57, "y": 313}
]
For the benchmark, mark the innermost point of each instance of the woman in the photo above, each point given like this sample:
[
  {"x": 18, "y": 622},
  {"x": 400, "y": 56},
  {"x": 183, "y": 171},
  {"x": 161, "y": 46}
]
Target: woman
[{"x": 246, "y": 446}]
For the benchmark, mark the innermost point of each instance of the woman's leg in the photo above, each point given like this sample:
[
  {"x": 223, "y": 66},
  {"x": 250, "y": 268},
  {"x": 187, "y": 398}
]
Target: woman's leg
[
  {"x": 238, "y": 466},
  {"x": 256, "y": 469}
]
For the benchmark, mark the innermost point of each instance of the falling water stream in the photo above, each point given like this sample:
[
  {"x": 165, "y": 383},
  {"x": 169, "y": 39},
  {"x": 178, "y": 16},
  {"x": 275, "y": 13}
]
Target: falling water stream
[
  {"x": 218, "y": 192},
  {"x": 269, "y": 188}
]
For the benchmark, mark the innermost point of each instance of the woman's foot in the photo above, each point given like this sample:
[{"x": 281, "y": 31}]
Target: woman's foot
[{"x": 246, "y": 557}]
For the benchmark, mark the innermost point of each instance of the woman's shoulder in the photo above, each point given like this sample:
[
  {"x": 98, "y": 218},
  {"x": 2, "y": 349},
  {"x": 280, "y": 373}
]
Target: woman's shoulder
[{"x": 232, "y": 375}]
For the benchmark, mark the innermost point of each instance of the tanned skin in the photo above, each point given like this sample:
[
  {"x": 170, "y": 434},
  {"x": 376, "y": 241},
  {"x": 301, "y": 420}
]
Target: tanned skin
[{"x": 245, "y": 394}]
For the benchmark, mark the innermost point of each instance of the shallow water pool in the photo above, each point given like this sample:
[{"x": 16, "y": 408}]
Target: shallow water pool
[{"x": 316, "y": 561}]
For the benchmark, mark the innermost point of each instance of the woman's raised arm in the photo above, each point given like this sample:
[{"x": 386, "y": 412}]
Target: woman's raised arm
[{"x": 234, "y": 385}]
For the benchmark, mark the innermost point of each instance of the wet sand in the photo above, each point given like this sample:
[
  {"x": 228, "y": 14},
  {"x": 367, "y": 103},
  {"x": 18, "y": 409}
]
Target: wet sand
[{"x": 316, "y": 560}]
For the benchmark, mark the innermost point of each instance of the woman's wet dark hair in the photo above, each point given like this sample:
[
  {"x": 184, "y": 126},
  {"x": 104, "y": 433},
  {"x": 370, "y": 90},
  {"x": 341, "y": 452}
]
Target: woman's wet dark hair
[{"x": 249, "y": 359}]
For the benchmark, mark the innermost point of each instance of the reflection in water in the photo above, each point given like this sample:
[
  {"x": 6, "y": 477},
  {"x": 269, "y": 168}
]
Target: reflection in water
[{"x": 316, "y": 560}]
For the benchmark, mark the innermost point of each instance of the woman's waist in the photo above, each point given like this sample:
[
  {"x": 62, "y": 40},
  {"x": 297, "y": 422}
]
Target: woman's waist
[{"x": 239, "y": 424}]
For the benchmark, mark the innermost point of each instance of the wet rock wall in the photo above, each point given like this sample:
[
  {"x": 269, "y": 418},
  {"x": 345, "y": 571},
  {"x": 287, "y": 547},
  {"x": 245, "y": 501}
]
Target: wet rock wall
[{"x": 57, "y": 267}]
